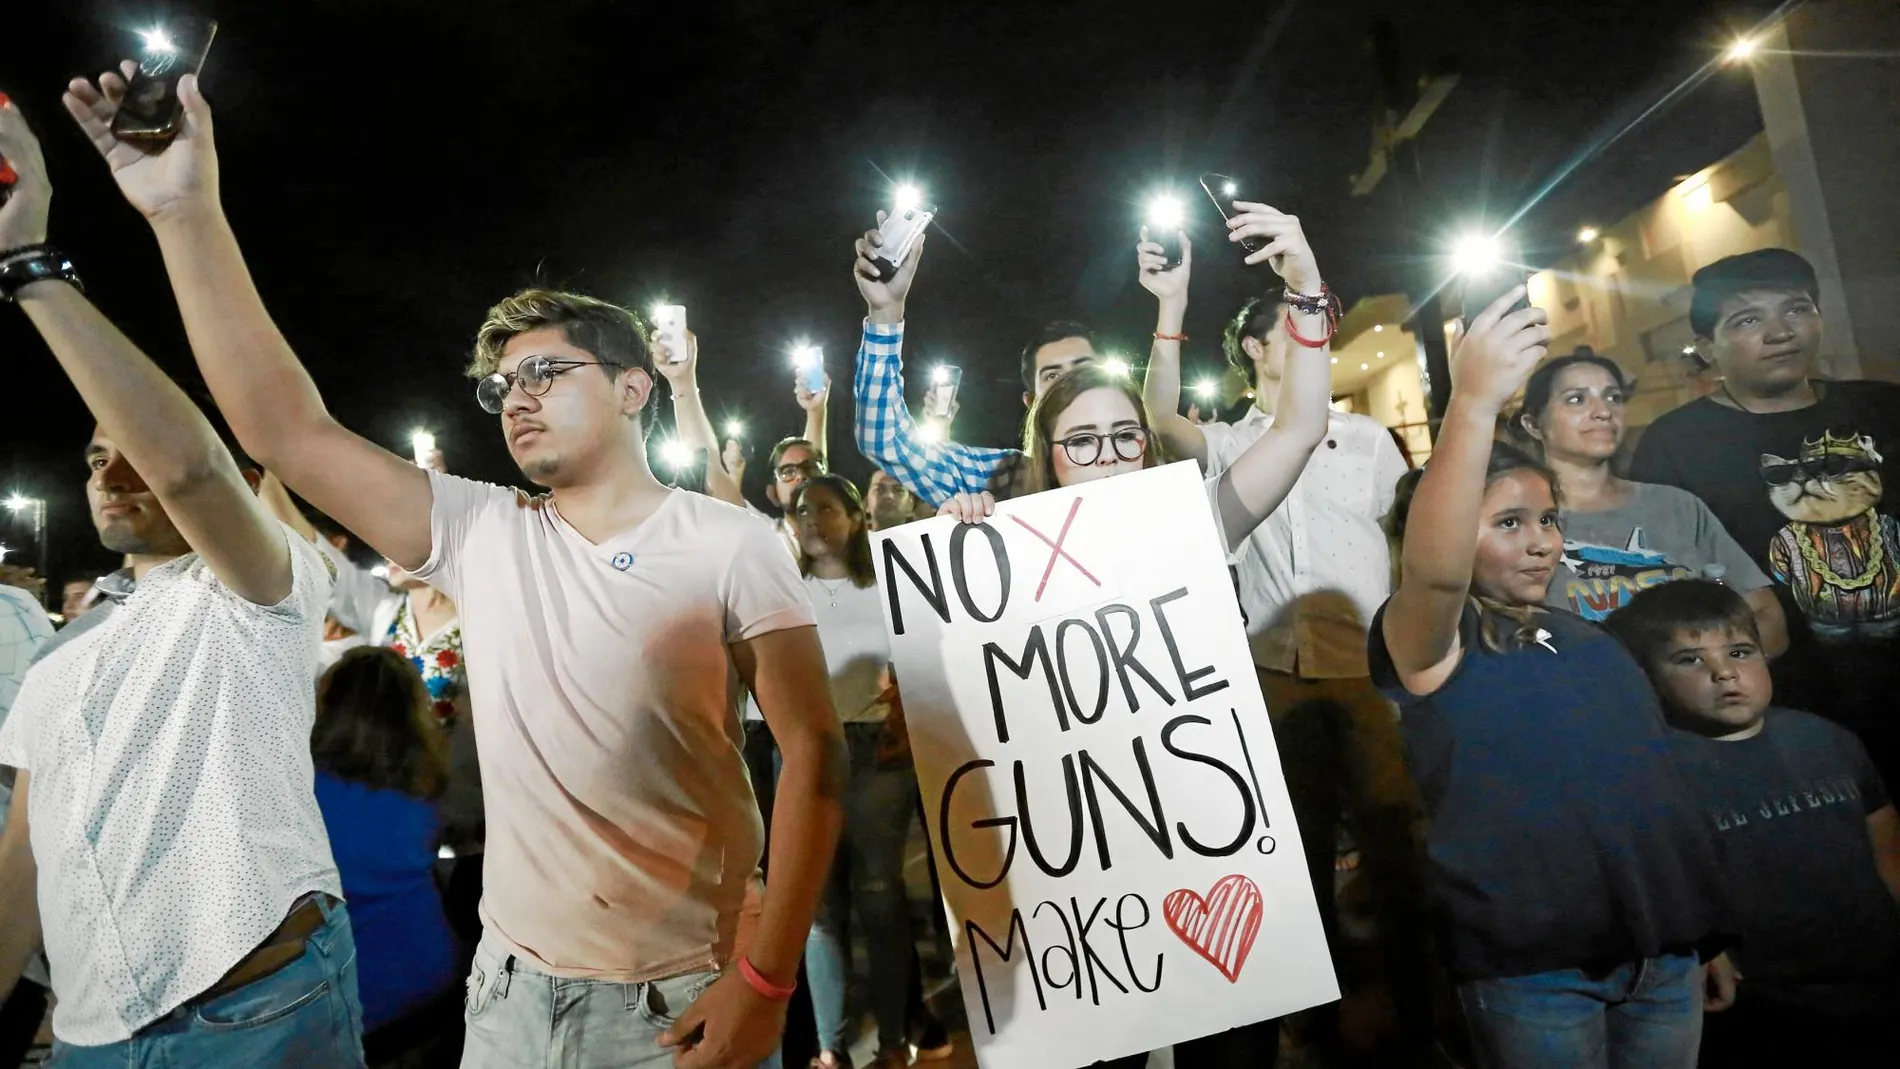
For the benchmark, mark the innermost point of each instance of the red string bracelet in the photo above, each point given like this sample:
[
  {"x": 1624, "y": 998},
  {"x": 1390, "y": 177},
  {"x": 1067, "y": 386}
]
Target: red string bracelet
[
  {"x": 763, "y": 986},
  {"x": 1170, "y": 337},
  {"x": 1327, "y": 302},
  {"x": 1332, "y": 327}
]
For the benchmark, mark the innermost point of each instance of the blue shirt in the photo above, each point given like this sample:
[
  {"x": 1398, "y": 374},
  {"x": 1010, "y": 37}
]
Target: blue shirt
[
  {"x": 888, "y": 437},
  {"x": 385, "y": 844},
  {"x": 1559, "y": 833}
]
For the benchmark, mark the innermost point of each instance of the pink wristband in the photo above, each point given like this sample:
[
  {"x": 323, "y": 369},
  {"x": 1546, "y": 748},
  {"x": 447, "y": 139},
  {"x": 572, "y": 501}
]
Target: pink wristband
[{"x": 763, "y": 986}]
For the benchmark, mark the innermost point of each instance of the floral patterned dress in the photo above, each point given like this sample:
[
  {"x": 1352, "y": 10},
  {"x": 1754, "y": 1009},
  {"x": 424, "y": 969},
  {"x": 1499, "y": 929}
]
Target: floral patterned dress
[{"x": 438, "y": 657}]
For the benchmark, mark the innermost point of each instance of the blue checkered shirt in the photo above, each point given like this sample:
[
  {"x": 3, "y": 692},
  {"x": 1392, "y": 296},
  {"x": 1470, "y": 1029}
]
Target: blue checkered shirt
[{"x": 887, "y": 436}]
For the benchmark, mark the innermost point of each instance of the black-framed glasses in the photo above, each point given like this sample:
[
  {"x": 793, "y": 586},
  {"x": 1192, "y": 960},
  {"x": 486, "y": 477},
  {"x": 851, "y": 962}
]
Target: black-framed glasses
[
  {"x": 1086, "y": 448},
  {"x": 807, "y": 468},
  {"x": 534, "y": 375},
  {"x": 1783, "y": 472}
]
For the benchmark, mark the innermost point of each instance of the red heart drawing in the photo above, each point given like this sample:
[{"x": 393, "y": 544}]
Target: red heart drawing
[{"x": 1220, "y": 927}]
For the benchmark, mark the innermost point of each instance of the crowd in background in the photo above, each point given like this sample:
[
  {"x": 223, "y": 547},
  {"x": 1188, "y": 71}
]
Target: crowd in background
[{"x": 1608, "y": 731}]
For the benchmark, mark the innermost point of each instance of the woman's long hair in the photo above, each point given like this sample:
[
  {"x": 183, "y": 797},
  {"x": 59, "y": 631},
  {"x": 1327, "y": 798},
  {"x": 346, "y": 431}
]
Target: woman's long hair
[
  {"x": 1040, "y": 428},
  {"x": 376, "y": 726},
  {"x": 857, "y": 553},
  {"x": 1501, "y": 625}
]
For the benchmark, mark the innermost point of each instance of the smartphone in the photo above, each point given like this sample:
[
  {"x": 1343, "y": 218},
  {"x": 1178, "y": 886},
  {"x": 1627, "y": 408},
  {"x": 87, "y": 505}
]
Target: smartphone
[
  {"x": 670, "y": 321},
  {"x": 151, "y": 111},
  {"x": 1478, "y": 292},
  {"x": 1223, "y": 190},
  {"x": 898, "y": 236},
  {"x": 810, "y": 365},
  {"x": 940, "y": 401}
]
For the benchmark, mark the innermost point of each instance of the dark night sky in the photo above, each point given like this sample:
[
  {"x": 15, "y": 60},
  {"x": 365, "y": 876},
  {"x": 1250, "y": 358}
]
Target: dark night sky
[{"x": 392, "y": 168}]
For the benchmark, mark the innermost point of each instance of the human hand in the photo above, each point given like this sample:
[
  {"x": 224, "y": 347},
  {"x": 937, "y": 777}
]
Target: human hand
[
  {"x": 808, "y": 400},
  {"x": 1168, "y": 284},
  {"x": 23, "y": 216},
  {"x": 886, "y": 298},
  {"x": 1720, "y": 976},
  {"x": 729, "y": 1026},
  {"x": 680, "y": 369},
  {"x": 1286, "y": 249},
  {"x": 969, "y": 507},
  {"x": 24, "y": 578},
  {"x": 1498, "y": 352},
  {"x": 733, "y": 457},
  {"x": 160, "y": 180}
]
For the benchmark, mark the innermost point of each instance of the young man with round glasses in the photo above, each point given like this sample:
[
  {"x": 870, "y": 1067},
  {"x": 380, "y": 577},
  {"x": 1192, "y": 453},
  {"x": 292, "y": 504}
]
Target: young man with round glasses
[{"x": 610, "y": 626}]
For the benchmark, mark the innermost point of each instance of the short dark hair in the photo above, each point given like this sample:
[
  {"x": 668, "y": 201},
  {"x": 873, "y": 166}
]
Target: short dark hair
[
  {"x": 1651, "y": 619},
  {"x": 1255, "y": 320},
  {"x": 779, "y": 450},
  {"x": 1537, "y": 390},
  {"x": 614, "y": 335},
  {"x": 1048, "y": 334},
  {"x": 376, "y": 725},
  {"x": 857, "y": 558},
  {"x": 1763, "y": 269}
]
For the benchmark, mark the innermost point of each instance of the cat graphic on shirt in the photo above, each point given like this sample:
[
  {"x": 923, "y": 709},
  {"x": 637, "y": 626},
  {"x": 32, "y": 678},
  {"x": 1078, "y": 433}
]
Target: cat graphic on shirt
[{"x": 1836, "y": 553}]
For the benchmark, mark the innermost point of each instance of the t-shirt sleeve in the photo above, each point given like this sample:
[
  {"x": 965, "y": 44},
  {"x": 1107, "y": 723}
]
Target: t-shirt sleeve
[
  {"x": 1715, "y": 544},
  {"x": 357, "y": 593},
  {"x": 763, "y": 592},
  {"x": 1385, "y": 674},
  {"x": 1219, "y": 438},
  {"x": 460, "y": 504},
  {"x": 310, "y": 584}
]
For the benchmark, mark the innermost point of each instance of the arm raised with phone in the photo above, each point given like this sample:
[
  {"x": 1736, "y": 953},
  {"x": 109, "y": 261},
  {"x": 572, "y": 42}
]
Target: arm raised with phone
[
  {"x": 271, "y": 403},
  {"x": 691, "y": 423},
  {"x": 1161, "y": 389}
]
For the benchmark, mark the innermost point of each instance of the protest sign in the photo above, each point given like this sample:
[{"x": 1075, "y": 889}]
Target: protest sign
[{"x": 1117, "y": 853}]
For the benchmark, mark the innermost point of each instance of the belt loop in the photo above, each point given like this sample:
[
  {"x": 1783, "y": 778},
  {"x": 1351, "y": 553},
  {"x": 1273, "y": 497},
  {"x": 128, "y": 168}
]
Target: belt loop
[{"x": 507, "y": 970}]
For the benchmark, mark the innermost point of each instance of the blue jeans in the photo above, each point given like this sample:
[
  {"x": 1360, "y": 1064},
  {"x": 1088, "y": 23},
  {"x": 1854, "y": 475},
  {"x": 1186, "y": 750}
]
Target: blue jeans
[
  {"x": 519, "y": 1017},
  {"x": 868, "y": 872},
  {"x": 303, "y": 1016},
  {"x": 1639, "y": 1015}
]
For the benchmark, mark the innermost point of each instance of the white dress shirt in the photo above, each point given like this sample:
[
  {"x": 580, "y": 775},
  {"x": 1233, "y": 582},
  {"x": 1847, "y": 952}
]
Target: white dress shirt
[
  {"x": 1311, "y": 576},
  {"x": 174, "y": 823}
]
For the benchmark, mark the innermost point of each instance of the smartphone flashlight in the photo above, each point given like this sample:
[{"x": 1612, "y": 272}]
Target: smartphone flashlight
[
  {"x": 735, "y": 429},
  {"x": 1165, "y": 217},
  {"x": 809, "y": 362},
  {"x": 940, "y": 401},
  {"x": 898, "y": 234},
  {"x": 1222, "y": 189},
  {"x": 422, "y": 443}
]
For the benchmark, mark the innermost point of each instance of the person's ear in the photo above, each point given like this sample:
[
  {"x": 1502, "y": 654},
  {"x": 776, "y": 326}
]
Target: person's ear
[
  {"x": 1528, "y": 424},
  {"x": 1252, "y": 347},
  {"x": 636, "y": 388},
  {"x": 1029, "y": 399},
  {"x": 771, "y": 493},
  {"x": 1705, "y": 352}
]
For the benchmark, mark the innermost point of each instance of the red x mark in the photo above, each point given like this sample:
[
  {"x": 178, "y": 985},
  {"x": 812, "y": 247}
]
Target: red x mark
[{"x": 1056, "y": 550}]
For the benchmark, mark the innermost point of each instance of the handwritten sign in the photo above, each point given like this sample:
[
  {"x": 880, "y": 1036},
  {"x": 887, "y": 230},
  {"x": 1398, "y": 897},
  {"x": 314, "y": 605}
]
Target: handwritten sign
[{"x": 1104, "y": 800}]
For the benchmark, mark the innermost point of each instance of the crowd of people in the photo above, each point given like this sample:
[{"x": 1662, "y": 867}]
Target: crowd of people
[{"x": 1611, "y": 748}]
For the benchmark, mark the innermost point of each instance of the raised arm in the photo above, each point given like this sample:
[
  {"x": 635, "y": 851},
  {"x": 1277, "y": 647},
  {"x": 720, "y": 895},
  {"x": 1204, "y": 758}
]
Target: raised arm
[
  {"x": 142, "y": 413},
  {"x": 1260, "y": 478},
  {"x": 269, "y": 399},
  {"x": 690, "y": 421},
  {"x": 816, "y": 407},
  {"x": 1161, "y": 389},
  {"x": 1441, "y": 532}
]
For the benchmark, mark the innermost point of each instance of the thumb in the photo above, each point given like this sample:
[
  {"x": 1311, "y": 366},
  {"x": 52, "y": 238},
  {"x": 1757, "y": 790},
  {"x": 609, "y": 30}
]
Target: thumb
[
  {"x": 197, "y": 110},
  {"x": 682, "y": 1028}
]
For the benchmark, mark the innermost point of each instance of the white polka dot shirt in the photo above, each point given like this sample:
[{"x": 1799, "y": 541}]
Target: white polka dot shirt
[{"x": 173, "y": 819}]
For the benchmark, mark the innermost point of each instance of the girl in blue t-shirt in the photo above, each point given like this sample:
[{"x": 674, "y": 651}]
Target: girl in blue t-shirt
[
  {"x": 381, "y": 762},
  {"x": 1571, "y": 878}
]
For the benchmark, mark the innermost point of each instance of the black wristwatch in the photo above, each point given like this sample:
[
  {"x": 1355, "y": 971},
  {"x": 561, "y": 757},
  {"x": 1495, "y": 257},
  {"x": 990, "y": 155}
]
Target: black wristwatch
[{"x": 34, "y": 263}]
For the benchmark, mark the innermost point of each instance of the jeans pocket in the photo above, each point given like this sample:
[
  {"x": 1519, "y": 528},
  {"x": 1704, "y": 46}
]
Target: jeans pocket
[
  {"x": 660, "y": 1002},
  {"x": 301, "y": 984},
  {"x": 475, "y": 998}
]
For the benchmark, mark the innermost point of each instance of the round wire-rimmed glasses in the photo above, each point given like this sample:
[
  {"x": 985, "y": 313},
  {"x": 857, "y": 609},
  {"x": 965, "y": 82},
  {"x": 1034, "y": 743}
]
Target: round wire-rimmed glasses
[{"x": 534, "y": 375}]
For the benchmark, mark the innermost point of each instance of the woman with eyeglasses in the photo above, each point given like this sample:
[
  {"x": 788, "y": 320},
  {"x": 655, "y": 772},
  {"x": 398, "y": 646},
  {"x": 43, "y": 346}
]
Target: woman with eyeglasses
[
  {"x": 868, "y": 873},
  {"x": 1622, "y": 536},
  {"x": 1091, "y": 425}
]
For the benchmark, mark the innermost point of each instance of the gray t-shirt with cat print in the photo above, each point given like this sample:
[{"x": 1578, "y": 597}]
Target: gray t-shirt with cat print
[{"x": 1662, "y": 534}]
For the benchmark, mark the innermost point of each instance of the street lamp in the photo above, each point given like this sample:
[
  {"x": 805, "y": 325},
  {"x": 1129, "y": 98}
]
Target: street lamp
[{"x": 17, "y": 503}]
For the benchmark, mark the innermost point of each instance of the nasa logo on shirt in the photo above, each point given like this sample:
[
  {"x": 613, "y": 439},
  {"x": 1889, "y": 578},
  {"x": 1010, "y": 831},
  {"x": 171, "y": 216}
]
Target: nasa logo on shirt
[{"x": 623, "y": 561}]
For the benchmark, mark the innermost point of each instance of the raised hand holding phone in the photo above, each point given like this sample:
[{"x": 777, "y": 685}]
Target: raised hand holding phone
[
  {"x": 1498, "y": 351},
  {"x": 176, "y": 176},
  {"x": 1284, "y": 246},
  {"x": 27, "y": 195},
  {"x": 940, "y": 401},
  {"x": 811, "y": 382},
  {"x": 150, "y": 111},
  {"x": 884, "y": 298},
  {"x": 1222, "y": 189},
  {"x": 669, "y": 333},
  {"x": 900, "y": 230},
  {"x": 1167, "y": 281}
]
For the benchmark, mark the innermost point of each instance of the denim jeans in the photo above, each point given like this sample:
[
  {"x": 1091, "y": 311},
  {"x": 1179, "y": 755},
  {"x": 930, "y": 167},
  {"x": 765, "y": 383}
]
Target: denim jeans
[
  {"x": 519, "y": 1017},
  {"x": 868, "y": 873},
  {"x": 303, "y": 1016},
  {"x": 1639, "y": 1015}
]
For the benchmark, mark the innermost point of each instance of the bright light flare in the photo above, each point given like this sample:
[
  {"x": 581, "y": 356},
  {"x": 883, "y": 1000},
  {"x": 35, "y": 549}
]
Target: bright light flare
[
  {"x": 930, "y": 432},
  {"x": 1475, "y": 254},
  {"x": 16, "y": 502},
  {"x": 907, "y": 198},
  {"x": 804, "y": 356},
  {"x": 1586, "y": 235},
  {"x": 676, "y": 454},
  {"x": 940, "y": 376},
  {"x": 1206, "y": 389},
  {"x": 1116, "y": 366},
  {"x": 157, "y": 40},
  {"x": 1228, "y": 189},
  {"x": 422, "y": 441},
  {"x": 734, "y": 428},
  {"x": 1166, "y": 212},
  {"x": 1741, "y": 50},
  {"x": 380, "y": 571}
]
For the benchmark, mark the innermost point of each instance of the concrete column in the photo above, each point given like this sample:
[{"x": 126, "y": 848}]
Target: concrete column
[{"x": 1828, "y": 78}]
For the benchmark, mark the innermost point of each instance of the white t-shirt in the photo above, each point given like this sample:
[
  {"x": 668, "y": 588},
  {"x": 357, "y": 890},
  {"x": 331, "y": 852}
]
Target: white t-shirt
[
  {"x": 857, "y": 649},
  {"x": 174, "y": 815},
  {"x": 622, "y": 831}
]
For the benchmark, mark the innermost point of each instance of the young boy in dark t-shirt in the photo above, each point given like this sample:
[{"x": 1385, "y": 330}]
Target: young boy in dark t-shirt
[
  {"x": 1809, "y": 838},
  {"x": 1796, "y": 468}
]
